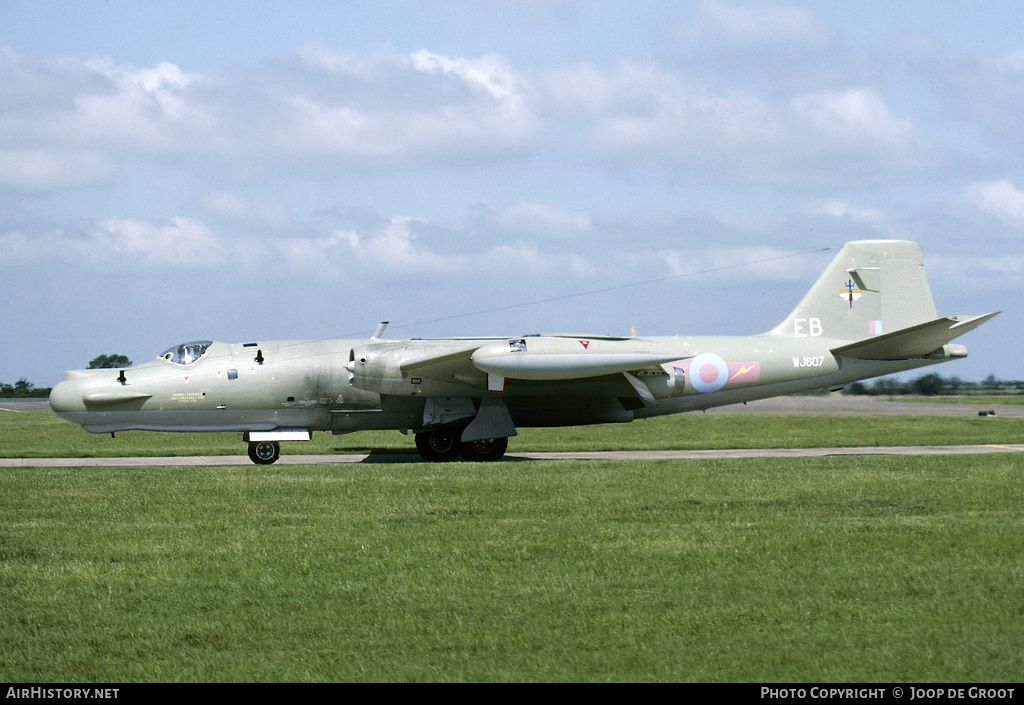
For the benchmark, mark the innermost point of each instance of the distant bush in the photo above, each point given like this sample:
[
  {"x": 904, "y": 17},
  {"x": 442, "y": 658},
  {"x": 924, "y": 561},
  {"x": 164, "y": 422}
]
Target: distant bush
[
  {"x": 104, "y": 362},
  {"x": 21, "y": 389},
  {"x": 932, "y": 384}
]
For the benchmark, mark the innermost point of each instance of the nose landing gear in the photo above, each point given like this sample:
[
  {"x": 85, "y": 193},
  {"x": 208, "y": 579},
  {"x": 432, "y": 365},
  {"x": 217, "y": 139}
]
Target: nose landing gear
[{"x": 264, "y": 452}]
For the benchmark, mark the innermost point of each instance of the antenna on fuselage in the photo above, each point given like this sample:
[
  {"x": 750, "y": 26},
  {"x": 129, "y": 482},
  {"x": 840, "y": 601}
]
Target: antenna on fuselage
[{"x": 380, "y": 330}]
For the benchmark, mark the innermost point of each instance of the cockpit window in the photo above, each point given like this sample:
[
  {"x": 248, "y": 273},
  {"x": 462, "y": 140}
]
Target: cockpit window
[{"x": 186, "y": 353}]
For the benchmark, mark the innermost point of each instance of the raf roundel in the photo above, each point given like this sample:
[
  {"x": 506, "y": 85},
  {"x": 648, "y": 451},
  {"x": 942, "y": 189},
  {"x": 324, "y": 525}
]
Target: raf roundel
[{"x": 708, "y": 373}]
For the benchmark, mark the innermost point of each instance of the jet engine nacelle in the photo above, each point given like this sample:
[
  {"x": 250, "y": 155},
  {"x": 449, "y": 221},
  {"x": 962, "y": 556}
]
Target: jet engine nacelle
[
  {"x": 371, "y": 367},
  {"x": 664, "y": 383},
  {"x": 377, "y": 367},
  {"x": 553, "y": 358}
]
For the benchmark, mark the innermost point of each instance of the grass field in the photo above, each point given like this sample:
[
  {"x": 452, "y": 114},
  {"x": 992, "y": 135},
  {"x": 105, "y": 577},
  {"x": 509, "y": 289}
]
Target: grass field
[{"x": 834, "y": 569}]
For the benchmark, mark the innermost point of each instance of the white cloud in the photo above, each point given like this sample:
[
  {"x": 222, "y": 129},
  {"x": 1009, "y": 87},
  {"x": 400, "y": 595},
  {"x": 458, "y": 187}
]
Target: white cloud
[
  {"x": 1012, "y": 62},
  {"x": 321, "y": 107},
  {"x": 323, "y": 113},
  {"x": 17, "y": 247},
  {"x": 856, "y": 115},
  {"x": 973, "y": 273},
  {"x": 528, "y": 263},
  {"x": 66, "y": 122},
  {"x": 394, "y": 253},
  {"x": 1000, "y": 199},
  {"x": 164, "y": 87},
  {"x": 183, "y": 242},
  {"x": 536, "y": 11},
  {"x": 383, "y": 109},
  {"x": 729, "y": 264},
  {"x": 257, "y": 213},
  {"x": 491, "y": 73},
  {"x": 981, "y": 97},
  {"x": 754, "y": 23},
  {"x": 30, "y": 170},
  {"x": 538, "y": 219},
  {"x": 646, "y": 115},
  {"x": 1012, "y": 265},
  {"x": 126, "y": 108},
  {"x": 645, "y": 111},
  {"x": 393, "y": 246},
  {"x": 351, "y": 255},
  {"x": 836, "y": 208}
]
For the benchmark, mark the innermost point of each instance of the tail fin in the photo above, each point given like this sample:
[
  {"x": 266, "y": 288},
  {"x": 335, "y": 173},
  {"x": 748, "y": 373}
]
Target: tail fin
[{"x": 871, "y": 288}]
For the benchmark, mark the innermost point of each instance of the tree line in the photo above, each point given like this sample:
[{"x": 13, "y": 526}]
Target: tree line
[
  {"x": 22, "y": 388},
  {"x": 931, "y": 385}
]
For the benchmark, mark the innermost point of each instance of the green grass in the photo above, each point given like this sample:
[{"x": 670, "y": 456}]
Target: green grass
[
  {"x": 40, "y": 434},
  {"x": 828, "y": 569},
  {"x": 838, "y": 569}
]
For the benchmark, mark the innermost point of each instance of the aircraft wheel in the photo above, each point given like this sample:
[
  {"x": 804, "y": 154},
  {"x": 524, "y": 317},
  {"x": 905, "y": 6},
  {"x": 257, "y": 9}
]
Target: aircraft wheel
[
  {"x": 485, "y": 449},
  {"x": 438, "y": 446},
  {"x": 264, "y": 452}
]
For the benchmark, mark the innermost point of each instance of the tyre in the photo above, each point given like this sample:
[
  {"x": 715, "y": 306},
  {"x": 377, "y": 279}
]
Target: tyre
[
  {"x": 484, "y": 450},
  {"x": 438, "y": 446},
  {"x": 264, "y": 452}
]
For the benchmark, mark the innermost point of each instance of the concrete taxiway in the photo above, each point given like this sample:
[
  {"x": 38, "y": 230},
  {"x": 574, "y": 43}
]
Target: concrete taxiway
[{"x": 183, "y": 461}]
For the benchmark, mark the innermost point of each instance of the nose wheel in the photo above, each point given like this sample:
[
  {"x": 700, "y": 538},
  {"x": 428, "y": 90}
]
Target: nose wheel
[{"x": 264, "y": 452}]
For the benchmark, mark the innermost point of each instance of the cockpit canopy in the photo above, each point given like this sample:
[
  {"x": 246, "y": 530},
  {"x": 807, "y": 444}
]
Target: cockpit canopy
[{"x": 186, "y": 353}]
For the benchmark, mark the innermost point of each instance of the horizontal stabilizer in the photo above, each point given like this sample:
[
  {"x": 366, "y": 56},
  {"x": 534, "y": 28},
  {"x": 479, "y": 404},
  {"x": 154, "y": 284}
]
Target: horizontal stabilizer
[{"x": 915, "y": 341}]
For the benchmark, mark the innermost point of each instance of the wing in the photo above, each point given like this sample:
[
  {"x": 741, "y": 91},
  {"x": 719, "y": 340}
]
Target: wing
[{"x": 468, "y": 367}]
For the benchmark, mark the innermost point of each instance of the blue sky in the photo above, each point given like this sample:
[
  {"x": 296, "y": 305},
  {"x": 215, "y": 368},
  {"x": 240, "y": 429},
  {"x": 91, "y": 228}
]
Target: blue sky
[{"x": 172, "y": 171}]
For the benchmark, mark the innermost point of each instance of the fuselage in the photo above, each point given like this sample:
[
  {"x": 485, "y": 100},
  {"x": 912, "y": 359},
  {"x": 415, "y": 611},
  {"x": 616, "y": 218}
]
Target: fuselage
[{"x": 311, "y": 385}]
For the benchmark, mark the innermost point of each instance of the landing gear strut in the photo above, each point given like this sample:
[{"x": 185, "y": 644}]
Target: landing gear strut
[{"x": 264, "y": 452}]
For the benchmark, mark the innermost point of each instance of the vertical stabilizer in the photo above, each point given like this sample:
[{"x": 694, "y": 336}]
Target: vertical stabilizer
[{"x": 871, "y": 288}]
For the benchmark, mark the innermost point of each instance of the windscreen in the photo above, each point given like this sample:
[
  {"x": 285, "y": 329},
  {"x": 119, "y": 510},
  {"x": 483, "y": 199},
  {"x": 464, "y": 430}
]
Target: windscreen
[{"x": 186, "y": 353}]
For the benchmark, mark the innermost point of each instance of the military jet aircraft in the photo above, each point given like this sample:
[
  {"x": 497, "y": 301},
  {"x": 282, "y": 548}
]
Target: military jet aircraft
[{"x": 871, "y": 313}]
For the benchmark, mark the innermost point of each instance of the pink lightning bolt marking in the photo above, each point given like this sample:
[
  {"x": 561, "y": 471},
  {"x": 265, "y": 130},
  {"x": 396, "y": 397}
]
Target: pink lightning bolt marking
[
  {"x": 744, "y": 372},
  {"x": 741, "y": 371}
]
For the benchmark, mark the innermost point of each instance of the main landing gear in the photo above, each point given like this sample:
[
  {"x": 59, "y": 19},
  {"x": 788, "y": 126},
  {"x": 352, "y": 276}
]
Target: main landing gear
[{"x": 443, "y": 445}]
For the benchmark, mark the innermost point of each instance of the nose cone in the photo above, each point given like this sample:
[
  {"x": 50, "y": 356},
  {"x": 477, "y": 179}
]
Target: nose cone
[
  {"x": 94, "y": 390},
  {"x": 66, "y": 397}
]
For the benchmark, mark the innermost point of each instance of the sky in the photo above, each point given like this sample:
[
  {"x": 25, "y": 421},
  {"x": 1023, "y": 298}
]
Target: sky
[{"x": 184, "y": 170}]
